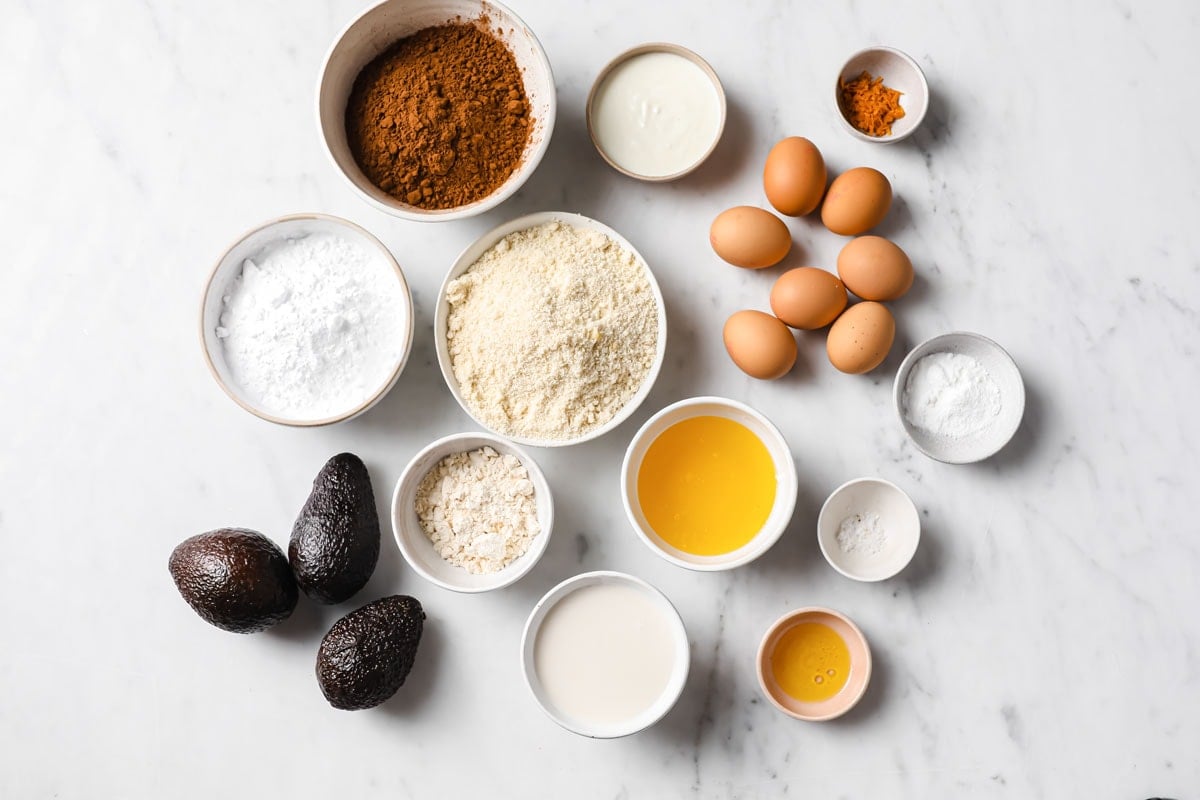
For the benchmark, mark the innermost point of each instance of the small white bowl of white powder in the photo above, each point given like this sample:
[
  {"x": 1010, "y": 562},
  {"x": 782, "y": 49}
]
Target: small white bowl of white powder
[
  {"x": 307, "y": 320},
  {"x": 868, "y": 529},
  {"x": 960, "y": 397},
  {"x": 472, "y": 512}
]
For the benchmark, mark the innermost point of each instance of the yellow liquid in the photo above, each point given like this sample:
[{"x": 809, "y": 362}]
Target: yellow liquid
[
  {"x": 707, "y": 485},
  {"x": 811, "y": 662}
]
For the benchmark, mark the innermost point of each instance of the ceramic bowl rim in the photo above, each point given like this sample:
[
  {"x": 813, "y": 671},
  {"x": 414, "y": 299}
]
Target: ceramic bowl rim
[
  {"x": 916, "y": 540},
  {"x": 786, "y": 621},
  {"x": 378, "y": 394},
  {"x": 524, "y": 170},
  {"x": 679, "y": 675},
  {"x": 488, "y": 239},
  {"x": 786, "y": 489},
  {"x": 927, "y": 347},
  {"x": 408, "y": 478},
  {"x": 656, "y": 47},
  {"x": 911, "y": 63}
]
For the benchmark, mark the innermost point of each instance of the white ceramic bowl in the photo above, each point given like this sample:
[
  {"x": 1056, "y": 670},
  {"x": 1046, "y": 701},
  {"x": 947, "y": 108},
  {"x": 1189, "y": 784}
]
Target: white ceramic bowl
[
  {"x": 1003, "y": 370},
  {"x": 415, "y": 546},
  {"x": 785, "y": 475},
  {"x": 470, "y": 255},
  {"x": 651, "y": 715},
  {"x": 899, "y": 72},
  {"x": 229, "y": 267},
  {"x": 378, "y": 28},
  {"x": 655, "y": 47},
  {"x": 897, "y": 516}
]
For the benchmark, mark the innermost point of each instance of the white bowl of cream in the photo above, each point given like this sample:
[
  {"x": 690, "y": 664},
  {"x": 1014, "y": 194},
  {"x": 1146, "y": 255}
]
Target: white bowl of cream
[
  {"x": 656, "y": 112},
  {"x": 605, "y": 654}
]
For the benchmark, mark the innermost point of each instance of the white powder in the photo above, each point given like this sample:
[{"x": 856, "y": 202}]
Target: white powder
[
  {"x": 551, "y": 332},
  {"x": 951, "y": 394},
  {"x": 313, "y": 326},
  {"x": 862, "y": 533},
  {"x": 478, "y": 509}
]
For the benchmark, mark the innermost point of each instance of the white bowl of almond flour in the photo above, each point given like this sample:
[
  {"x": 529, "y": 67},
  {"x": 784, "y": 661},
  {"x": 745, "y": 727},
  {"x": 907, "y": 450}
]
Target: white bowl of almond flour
[
  {"x": 550, "y": 329},
  {"x": 306, "y": 320},
  {"x": 960, "y": 397},
  {"x": 472, "y": 512}
]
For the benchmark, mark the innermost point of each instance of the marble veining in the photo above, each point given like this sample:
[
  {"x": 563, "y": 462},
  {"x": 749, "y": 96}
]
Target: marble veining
[{"x": 1043, "y": 643}]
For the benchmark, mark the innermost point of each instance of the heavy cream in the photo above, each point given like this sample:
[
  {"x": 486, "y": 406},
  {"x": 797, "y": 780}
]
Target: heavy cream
[
  {"x": 656, "y": 114},
  {"x": 605, "y": 653}
]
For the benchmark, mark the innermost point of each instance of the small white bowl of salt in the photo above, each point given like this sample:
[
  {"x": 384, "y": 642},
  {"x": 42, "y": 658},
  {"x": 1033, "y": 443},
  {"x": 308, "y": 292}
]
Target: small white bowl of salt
[
  {"x": 960, "y": 397},
  {"x": 868, "y": 529}
]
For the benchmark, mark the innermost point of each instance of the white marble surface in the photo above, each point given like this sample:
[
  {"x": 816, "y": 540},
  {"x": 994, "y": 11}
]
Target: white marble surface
[{"x": 1045, "y": 642}]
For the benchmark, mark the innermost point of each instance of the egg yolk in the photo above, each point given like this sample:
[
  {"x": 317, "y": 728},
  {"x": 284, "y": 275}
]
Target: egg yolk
[
  {"x": 811, "y": 662},
  {"x": 707, "y": 485}
]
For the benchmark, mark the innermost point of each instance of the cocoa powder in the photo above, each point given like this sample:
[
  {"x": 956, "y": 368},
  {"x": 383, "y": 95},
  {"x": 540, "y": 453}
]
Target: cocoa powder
[{"x": 440, "y": 119}]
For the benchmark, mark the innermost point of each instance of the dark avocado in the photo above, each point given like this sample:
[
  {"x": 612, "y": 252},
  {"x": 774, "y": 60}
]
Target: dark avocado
[
  {"x": 234, "y": 578},
  {"x": 335, "y": 541},
  {"x": 368, "y": 653}
]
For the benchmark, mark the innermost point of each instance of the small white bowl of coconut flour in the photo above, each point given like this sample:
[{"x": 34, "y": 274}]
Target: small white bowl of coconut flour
[
  {"x": 960, "y": 397},
  {"x": 306, "y": 320}
]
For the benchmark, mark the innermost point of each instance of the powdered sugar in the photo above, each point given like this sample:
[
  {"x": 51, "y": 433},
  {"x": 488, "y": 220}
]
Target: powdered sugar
[
  {"x": 951, "y": 394},
  {"x": 313, "y": 326}
]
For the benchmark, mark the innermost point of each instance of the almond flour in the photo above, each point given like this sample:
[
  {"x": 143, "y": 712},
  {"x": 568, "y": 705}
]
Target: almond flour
[
  {"x": 551, "y": 332},
  {"x": 478, "y": 509}
]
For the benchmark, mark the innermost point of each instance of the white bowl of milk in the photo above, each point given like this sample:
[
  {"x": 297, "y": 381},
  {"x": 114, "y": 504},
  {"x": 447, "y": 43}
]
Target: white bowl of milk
[{"x": 605, "y": 654}]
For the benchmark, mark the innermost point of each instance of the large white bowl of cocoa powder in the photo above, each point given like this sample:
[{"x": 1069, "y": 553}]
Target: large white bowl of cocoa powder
[{"x": 436, "y": 110}]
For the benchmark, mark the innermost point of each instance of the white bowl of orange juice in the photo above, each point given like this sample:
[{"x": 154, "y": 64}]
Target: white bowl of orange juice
[{"x": 708, "y": 483}]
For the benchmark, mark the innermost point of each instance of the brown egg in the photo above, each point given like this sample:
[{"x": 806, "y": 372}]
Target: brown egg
[
  {"x": 750, "y": 237},
  {"x": 874, "y": 268},
  {"x": 808, "y": 298},
  {"x": 860, "y": 339},
  {"x": 857, "y": 201},
  {"x": 794, "y": 176},
  {"x": 760, "y": 344}
]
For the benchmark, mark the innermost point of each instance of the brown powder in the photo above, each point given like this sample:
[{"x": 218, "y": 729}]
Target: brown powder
[
  {"x": 440, "y": 119},
  {"x": 870, "y": 106}
]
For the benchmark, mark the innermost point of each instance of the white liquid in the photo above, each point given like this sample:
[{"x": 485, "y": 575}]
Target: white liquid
[
  {"x": 656, "y": 114},
  {"x": 605, "y": 653}
]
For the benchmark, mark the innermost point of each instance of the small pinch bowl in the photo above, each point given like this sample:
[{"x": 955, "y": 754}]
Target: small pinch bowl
[
  {"x": 387, "y": 22},
  {"x": 229, "y": 266},
  {"x": 898, "y": 516},
  {"x": 785, "y": 476},
  {"x": 900, "y": 72},
  {"x": 860, "y": 666},
  {"x": 1003, "y": 370},
  {"x": 415, "y": 546},
  {"x": 666, "y": 701},
  {"x": 655, "y": 47},
  {"x": 467, "y": 259}
]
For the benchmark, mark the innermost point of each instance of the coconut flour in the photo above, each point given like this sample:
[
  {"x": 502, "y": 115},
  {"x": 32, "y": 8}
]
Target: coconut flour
[
  {"x": 551, "y": 332},
  {"x": 478, "y": 509}
]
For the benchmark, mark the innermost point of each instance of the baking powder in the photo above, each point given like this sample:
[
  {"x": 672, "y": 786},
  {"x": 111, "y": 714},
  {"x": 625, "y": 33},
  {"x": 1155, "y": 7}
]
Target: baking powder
[
  {"x": 862, "y": 533},
  {"x": 950, "y": 394},
  {"x": 313, "y": 326}
]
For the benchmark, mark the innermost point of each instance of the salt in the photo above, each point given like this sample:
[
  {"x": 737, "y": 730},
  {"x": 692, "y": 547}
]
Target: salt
[
  {"x": 951, "y": 395},
  {"x": 862, "y": 533},
  {"x": 313, "y": 326}
]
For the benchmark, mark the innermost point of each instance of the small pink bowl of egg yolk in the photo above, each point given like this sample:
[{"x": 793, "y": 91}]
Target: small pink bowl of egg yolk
[{"x": 814, "y": 664}]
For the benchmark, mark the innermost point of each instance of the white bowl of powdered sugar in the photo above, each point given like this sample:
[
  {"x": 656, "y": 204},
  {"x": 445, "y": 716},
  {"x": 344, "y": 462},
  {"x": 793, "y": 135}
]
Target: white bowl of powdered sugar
[
  {"x": 550, "y": 329},
  {"x": 960, "y": 397},
  {"x": 306, "y": 320}
]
